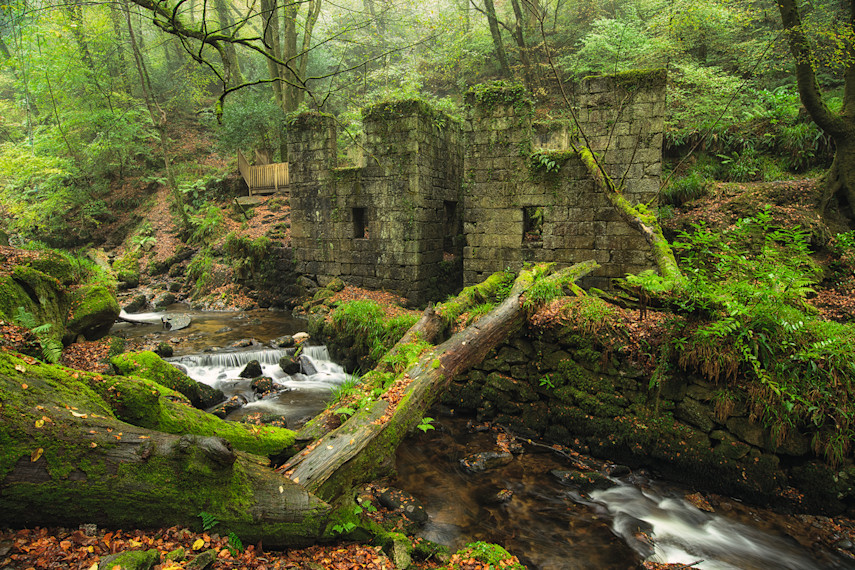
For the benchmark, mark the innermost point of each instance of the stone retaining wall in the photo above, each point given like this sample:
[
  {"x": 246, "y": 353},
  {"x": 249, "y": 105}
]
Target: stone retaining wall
[{"x": 560, "y": 386}]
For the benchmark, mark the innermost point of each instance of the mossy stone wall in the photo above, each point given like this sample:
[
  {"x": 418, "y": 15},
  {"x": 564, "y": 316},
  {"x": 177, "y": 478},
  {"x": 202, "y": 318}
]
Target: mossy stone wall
[
  {"x": 559, "y": 385},
  {"x": 388, "y": 223},
  {"x": 528, "y": 199},
  {"x": 435, "y": 207}
]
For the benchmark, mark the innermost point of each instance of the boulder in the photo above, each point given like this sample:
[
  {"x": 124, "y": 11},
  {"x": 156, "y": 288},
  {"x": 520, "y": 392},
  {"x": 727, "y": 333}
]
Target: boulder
[
  {"x": 263, "y": 385},
  {"x": 584, "y": 481},
  {"x": 136, "y": 305},
  {"x": 94, "y": 309},
  {"x": 284, "y": 341},
  {"x": 403, "y": 503},
  {"x": 203, "y": 560},
  {"x": 230, "y": 405},
  {"x": 290, "y": 363},
  {"x": 480, "y": 462},
  {"x": 163, "y": 300},
  {"x": 164, "y": 350},
  {"x": 251, "y": 370},
  {"x": 693, "y": 412}
]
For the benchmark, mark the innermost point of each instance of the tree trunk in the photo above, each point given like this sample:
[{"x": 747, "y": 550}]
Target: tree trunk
[
  {"x": 432, "y": 326},
  {"x": 519, "y": 37},
  {"x": 362, "y": 448},
  {"x": 291, "y": 94},
  {"x": 497, "y": 38},
  {"x": 74, "y": 11},
  {"x": 121, "y": 65},
  {"x": 840, "y": 179},
  {"x": 66, "y": 459},
  {"x": 233, "y": 74},
  {"x": 270, "y": 19},
  {"x": 158, "y": 119}
]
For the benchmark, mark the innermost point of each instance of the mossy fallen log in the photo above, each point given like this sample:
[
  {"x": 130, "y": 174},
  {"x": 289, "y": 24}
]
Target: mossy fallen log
[
  {"x": 362, "y": 447},
  {"x": 65, "y": 458},
  {"x": 147, "y": 364}
]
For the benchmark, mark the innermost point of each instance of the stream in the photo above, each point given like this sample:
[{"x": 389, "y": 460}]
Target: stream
[{"x": 547, "y": 525}]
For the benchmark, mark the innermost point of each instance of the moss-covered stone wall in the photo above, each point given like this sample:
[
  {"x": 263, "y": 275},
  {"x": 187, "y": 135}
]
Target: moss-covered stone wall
[
  {"x": 436, "y": 206},
  {"x": 562, "y": 386},
  {"x": 388, "y": 224},
  {"x": 529, "y": 199}
]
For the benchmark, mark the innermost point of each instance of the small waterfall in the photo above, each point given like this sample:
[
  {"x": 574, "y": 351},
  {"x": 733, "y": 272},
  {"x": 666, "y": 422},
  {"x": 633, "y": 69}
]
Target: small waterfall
[
  {"x": 681, "y": 533},
  {"x": 233, "y": 359},
  {"x": 302, "y": 395},
  {"x": 151, "y": 318}
]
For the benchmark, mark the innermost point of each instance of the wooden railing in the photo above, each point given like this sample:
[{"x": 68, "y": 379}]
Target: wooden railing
[{"x": 264, "y": 179}]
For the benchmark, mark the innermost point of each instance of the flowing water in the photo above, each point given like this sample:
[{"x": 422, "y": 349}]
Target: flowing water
[
  {"x": 304, "y": 394},
  {"x": 548, "y": 526},
  {"x": 203, "y": 351},
  {"x": 210, "y": 330},
  {"x": 551, "y": 527}
]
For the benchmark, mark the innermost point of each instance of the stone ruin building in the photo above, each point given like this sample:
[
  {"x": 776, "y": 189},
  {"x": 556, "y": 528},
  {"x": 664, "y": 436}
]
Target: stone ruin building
[{"x": 437, "y": 205}]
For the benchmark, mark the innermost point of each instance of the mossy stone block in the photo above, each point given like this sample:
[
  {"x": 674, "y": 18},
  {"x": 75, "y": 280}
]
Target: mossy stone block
[{"x": 131, "y": 560}]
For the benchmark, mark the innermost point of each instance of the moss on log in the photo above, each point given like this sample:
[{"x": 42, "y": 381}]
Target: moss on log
[
  {"x": 149, "y": 365},
  {"x": 66, "y": 458}
]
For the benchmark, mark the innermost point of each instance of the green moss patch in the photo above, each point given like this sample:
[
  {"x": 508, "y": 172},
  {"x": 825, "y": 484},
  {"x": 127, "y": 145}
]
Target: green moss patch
[{"x": 149, "y": 365}]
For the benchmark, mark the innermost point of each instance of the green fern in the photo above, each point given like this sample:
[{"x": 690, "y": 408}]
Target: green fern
[
  {"x": 235, "y": 546},
  {"x": 25, "y": 318},
  {"x": 51, "y": 349},
  {"x": 209, "y": 521}
]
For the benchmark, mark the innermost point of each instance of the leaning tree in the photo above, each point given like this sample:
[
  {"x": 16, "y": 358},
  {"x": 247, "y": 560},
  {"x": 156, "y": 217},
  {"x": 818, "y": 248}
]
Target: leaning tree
[{"x": 840, "y": 126}]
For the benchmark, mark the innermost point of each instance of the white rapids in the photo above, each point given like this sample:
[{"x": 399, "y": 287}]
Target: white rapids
[
  {"x": 303, "y": 394},
  {"x": 683, "y": 534}
]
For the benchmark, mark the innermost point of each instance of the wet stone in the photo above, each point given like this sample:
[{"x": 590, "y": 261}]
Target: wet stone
[
  {"x": 263, "y": 385},
  {"x": 164, "y": 300},
  {"x": 290, "y": 364},
  {"x": 244, "y": 343},
  {"x": 284, "y": 341},
  {"x": 503, "y": 496},
  {"x": 175, "y": 322},
  {"x": 230, "y": 405},
  {"x": 251, "y": 370},
  {"x": 405, "y": 504},
  {"x": 163, "y": 350},
  {"x": 480, "y": 462},
  {"x": 138, "y": 303},
  {"x": 617, "y": 470},
  {"x": 307, "y": 366},
  {"x": 585, "y": 482}
]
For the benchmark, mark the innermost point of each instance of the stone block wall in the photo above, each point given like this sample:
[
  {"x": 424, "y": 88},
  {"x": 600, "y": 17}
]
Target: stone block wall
[
  {"x": 529, "y": 204},
  {"x": 391, "y": 223},
  {"x": 437, "y": 205},
  {"x": 624, "y": 118}
]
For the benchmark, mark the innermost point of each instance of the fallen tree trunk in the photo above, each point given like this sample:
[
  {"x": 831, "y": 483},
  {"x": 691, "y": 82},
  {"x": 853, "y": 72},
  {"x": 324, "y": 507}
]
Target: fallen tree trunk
[
  {"x": 361, "y": 448},
  {"x": 65, "y": 459},
  {"x": 431, "y": 326}
]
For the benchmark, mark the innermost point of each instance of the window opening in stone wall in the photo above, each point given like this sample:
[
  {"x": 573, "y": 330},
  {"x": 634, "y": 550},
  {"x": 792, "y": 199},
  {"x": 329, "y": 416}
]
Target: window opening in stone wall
[
  {"x": 532, "y": 224},
  {"x": 449, "y": 226},
  {"x": 360, "y": 228}
]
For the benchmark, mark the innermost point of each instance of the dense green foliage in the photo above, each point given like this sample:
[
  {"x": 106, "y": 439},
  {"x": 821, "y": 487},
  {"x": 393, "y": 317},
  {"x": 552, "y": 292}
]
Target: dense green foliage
[
  {"x": 743, "y": 321},
  {"x": 363, "y": 323},
  {"x": 77, "y": 121}
]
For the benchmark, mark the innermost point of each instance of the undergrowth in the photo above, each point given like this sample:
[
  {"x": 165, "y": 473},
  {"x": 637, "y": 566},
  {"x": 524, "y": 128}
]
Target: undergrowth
[{"x": 744, "y": 322}]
